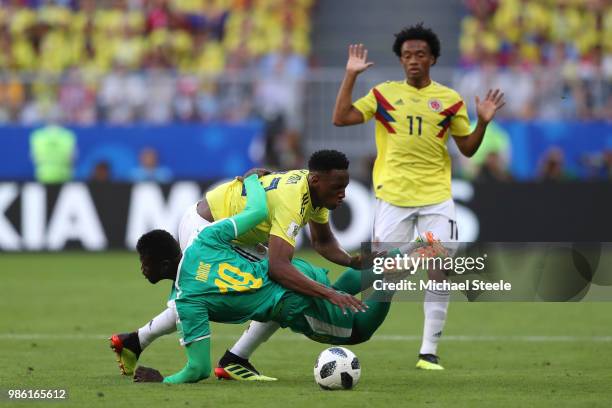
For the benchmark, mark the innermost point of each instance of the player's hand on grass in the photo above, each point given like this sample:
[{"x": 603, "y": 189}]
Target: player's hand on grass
[
  {"x": 357, "y": 60},
  {"x": 346, "y": 301},
  {"x": 487, "y": 108},
  {"x": 146, "y": 374}
]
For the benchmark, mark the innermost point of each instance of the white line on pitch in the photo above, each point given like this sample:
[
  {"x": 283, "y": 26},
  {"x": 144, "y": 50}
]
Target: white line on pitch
[{"x": 293, "y": 337}]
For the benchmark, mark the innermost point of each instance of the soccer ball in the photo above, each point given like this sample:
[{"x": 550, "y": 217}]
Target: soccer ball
[{"x": 337, "y": 368}]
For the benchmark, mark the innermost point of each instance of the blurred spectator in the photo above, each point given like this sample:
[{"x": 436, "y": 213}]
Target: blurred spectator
[
  {"x": 207, "y": 101},
  {"x": 493, "y": 169},
  {"x": 122, "y": 95},
  {"x": 160, "y": 90},
  {"x": 594, "y": 97},
  {"x": 553, "y": 59},
  {"x": 599, "y": 165},
  {"x": 53, "y": 150},
  {"x": 101, "y": 173},
  {"x": 279, "y": 94},
  {"x": 77, "y": 100},
  {"x": 482, "y": 8},
  {"x": 491, "y": 161},
  {"x": 552, "y": 167},
  {"x": 116, "y": 43},
  {"x": 12, "y": 97},
  {"x": 149, "y": 169}
]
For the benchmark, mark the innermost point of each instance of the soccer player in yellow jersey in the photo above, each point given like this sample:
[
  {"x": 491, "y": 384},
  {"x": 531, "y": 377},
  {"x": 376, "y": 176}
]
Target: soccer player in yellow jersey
[
  {"x": 295, "y": 198},
  {"x": 412, "y": 172}
]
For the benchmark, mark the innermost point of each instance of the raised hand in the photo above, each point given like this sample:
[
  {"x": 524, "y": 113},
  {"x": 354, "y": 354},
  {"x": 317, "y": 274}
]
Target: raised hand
[
  {"x": 357, "y": 60},
  {"x": 493, "y": 102}
]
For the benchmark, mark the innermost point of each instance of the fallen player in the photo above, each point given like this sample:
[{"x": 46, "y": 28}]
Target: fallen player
[{"x": 214, "y": 283}]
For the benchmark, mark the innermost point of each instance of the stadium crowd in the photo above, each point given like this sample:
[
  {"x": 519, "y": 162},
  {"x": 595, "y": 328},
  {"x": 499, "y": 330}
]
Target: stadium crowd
[
  {"x": 121, "y": 61},
  {"x": 553, "y": 58},
  {"x": 160, "y": 61}
]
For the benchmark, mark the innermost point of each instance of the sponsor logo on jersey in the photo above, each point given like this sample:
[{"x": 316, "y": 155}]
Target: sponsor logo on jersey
[
  {"x": 399, "y": 102},
  {"x": 435, "y": 105},
  {"x": 293, "y": 179},
  {"x": 293, "y": 229}
]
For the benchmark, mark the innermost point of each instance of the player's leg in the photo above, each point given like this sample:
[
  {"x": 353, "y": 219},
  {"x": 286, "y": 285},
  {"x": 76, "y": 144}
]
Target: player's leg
[
  {"x": 326, "y": 323},
  {"x": 354, "y": 281},
  {"x": 257, "y": 333},
  {"x": 129, "y": 346},
  {"x": 441, "y": 221},
  {"x": 254, "y": 336},
  {"x": 392, "y": 224},
  {"x": 237, "y": 358},
  {"x": 366, "y": 323}
]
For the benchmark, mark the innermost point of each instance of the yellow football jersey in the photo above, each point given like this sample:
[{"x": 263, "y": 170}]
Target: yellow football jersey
[
  {"x": 289, "y": 206},
  {"x": 412, "y": 167}
]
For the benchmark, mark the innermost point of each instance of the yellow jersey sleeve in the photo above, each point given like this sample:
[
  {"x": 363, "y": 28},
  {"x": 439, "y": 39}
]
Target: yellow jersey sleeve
[
  {"x": 366, "y": 105},
  {"x": 460, "y": 123},
  {"x": 285, "y": 224}
]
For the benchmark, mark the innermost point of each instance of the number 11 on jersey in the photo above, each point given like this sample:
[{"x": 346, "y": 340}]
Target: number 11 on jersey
[{"x": 419, "y": 119}]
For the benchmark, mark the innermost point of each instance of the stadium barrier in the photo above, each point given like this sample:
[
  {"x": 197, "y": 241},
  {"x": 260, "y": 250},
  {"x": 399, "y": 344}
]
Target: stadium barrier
[{"x": 101, "y": 216}]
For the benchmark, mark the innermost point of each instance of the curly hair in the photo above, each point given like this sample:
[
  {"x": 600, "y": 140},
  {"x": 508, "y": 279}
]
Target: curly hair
[
  {"x": 417, "y": 32},
  {"x": 158, "y": 245},
  {"x": 326, "y": 160}
]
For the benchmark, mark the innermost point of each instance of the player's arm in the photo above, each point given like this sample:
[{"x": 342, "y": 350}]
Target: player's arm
[
  {"x": 255, "y": 170},
  {"x": 468, "y": 145},
  {"x": 345, "y": 114},
  {"x": 197, "y": 367},
  {"x": 255, "y": 211},
  {"x": 283, "y": 272},
  {"x": 325, "y": 243}
]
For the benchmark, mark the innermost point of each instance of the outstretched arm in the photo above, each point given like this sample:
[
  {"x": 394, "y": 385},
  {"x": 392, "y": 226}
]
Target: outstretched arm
[
  {"x": 256, "y": 209},
  {"x": 345, "y": 114},
  {"x": 197, "y": 367},
  {"x": 494, "y": 101},
  {"x": 284, "y": 273}
]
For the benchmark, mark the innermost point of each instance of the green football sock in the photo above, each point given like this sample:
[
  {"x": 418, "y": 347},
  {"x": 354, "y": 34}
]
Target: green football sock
[
  {"x": 351, "y": 281},
  {"x": 366, "y": 323}
]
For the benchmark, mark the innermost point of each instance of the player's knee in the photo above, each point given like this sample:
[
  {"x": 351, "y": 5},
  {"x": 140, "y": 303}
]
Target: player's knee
[{"x": 357, "y": 337}]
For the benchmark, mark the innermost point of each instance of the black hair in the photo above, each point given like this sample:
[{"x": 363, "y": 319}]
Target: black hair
[
  {"x": 326, "y": 160},
  {"x": 417, "y": 32},
  {"x": 158, "y": 245}
]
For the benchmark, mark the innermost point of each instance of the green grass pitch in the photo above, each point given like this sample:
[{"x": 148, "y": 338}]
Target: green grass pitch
[{"x": 58, "y": 309}]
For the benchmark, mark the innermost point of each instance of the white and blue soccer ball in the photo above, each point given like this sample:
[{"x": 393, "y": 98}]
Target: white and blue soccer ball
[{"x": 337, "y": 368}]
